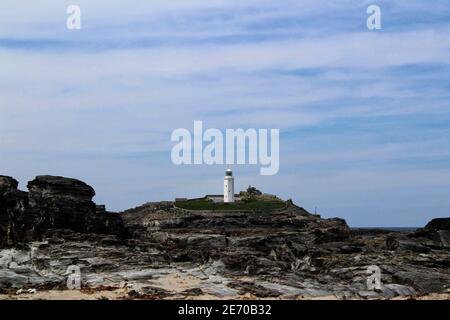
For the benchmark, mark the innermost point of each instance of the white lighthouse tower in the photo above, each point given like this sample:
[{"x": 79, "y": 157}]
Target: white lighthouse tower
[{"x": 228, "y": 186}]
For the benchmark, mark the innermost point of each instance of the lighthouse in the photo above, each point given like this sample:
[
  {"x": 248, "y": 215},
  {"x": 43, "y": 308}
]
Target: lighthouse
[{"x": 228, "y": 186}]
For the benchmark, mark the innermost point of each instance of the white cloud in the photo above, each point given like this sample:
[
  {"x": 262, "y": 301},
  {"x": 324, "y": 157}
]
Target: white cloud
[{"x": 100, "y": 104}]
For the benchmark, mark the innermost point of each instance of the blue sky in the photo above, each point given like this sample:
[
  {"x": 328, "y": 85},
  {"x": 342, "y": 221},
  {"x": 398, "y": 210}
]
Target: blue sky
[{"x": 364, "y": 116}]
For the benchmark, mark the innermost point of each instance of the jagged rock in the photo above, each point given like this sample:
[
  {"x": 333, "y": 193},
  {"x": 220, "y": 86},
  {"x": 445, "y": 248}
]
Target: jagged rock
[
  {"x": 287, "y": 252},
  {"x": 106, "y": 223},
  {"x": 422, "y": 281},
  {"x": 331, "y": 230},
  {"x": 65, "y": 203},
  {"x": 61, "y": 203},
  {"x": 53, "y": 187},
  {"x": 394, "y": 290},
  {"x": 8, "y": 184},
  {"x": 399, "y": 242},
  {"x": 435, "y": 235},
  {"x": 438, "y": 224},
  {"x": 12, "y": 208},
  {"x": 438, "y": 230},
  {"x": 51, "y": 203}
]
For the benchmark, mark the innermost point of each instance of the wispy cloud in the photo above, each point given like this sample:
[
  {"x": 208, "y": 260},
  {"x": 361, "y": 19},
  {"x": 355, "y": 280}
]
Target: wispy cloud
[{"x": 364, "y": 116}]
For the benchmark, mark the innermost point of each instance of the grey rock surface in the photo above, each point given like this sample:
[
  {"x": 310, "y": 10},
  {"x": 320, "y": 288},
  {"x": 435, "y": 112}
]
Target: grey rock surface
[
  {"x": 51, "y": 203},
  {"x": 160, "y": 251}
]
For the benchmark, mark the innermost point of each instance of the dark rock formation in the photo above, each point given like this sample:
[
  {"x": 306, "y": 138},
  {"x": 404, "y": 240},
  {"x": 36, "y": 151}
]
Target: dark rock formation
[
  {"x": 12, "y": 206},
  {"x": 435, "y": 235},
  {"x": 438, "y": 224},
  {"x": 262, "y": 242},
  {"x": 51, "y": 203},
  {"x": 8, "y": 184},
  {"x": 292, "y": 245},
  {"x": 60, "y": 203},
  {"x": 285, "y": 253},
  {"x": 63, "y": 203}
]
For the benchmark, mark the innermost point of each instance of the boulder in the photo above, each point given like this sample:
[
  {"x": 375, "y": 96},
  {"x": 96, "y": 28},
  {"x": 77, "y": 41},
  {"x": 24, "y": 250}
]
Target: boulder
[
  {"x": 436, "y": 234},
  {"x": 64, "y": 203},
  {"x": 61, "y": 203},
  {"x": 438, "y": 224},
  {"x": 60, "y": 187},
  {"x": 8, "y": 184}
]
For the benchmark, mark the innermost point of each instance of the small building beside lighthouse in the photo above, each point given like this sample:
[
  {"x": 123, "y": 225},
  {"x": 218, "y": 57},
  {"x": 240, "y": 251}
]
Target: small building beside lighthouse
[{"x": 228, "y": 187}]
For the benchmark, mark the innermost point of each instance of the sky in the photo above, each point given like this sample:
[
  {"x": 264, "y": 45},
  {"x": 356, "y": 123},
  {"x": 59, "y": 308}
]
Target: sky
[{"x": 364, "y": 115}]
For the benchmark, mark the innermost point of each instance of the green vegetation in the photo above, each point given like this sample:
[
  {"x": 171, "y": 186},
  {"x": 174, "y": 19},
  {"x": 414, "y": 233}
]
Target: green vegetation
[{"x": 246, "y": 205}]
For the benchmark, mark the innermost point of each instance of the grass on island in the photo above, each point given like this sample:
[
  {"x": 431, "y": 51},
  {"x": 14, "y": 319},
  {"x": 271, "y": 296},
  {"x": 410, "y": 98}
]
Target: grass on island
[{"x": 245, "y": 205}]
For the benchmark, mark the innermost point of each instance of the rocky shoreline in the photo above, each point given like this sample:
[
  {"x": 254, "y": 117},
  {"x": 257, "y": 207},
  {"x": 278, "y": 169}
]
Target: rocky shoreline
[{"x": 158, "y": 251}]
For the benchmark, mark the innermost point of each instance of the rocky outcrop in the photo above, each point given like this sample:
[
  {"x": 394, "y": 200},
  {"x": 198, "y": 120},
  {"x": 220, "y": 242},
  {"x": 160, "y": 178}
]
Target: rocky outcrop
[
  {"x": 60, "y": 203},
  {"x": 13, "y": 204},
  {"x": 438, "y": 224},
  {"x": 297, "y": 249},
  {"x": 252, "y": 240},
  {"x": 63, "y": 203},
  {"x": 438, "y": 231},
  {"x": 435, "y": 235},
  {"x": 285, "y": 253},
  {"x": 51, "y": 203},
  {"x": 8, "y": 184}
]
